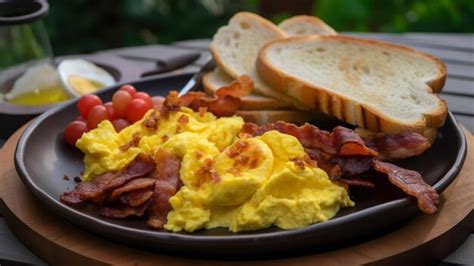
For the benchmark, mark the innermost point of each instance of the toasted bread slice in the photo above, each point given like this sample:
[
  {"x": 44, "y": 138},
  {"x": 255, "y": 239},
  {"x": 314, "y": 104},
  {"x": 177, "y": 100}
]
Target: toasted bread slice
[
  {"x": 372, "y": 84},
  {"x": 216, "y": 79},
  {"x": 235, "y": 48},
  {"x": 261, "y": 117},
  {"x": 305, "y": 25}
]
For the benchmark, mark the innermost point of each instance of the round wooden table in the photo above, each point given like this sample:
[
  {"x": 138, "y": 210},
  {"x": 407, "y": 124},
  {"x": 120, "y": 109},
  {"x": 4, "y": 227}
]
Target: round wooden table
[{"x": 424, "y": 239}]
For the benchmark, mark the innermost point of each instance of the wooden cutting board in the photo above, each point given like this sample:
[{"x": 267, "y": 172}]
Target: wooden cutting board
[{"x": 424, "y": 239}]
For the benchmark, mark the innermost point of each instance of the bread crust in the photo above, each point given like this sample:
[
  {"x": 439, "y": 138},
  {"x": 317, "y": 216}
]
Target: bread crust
[
  {"x": 307, "y": 19},
  {"x": 243, "y": 16},
  {"x": 344, "y": 107}
]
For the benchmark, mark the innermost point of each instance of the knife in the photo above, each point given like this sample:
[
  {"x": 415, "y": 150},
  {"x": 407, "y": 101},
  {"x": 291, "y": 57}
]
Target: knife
[{"x": 196, "y": 80}]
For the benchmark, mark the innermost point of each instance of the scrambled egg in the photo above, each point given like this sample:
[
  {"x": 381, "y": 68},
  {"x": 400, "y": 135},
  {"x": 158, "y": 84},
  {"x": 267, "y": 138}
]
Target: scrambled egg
[
  {"x": 106, "y": 150},
  {"x": 243, "y": 183}
]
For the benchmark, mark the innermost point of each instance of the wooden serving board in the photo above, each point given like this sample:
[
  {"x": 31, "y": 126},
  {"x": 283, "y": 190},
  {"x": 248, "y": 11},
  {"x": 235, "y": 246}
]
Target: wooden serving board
[{"x": 424, "y": 239}]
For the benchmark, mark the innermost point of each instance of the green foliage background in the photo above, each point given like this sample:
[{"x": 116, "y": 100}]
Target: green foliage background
[{"x": 82, "y": 26}]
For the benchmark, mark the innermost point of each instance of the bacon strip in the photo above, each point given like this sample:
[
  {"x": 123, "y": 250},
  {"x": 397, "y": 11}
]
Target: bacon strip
[
  {"x": 226, "y": 102},
  {"x": 137, "y": 197},
  {"x": 167, "y": 184},
  {"x": 325, "y": 162},
  {"x": 356, "y": 181},
  {"x": 310, "y": 136},
  {"x": 412, "y": 184},
  {"x": 86, "y": 190},
  {"x": 123, "y": 211},
  {"x": 241, "y": 87},
  {"x": 96, "y": 189},
  {"x": 353, "y": 165},
  {"x": 349, "y": 143},
  {"x": 136, "y": 184},
  {"x": 398, "y": 145}
]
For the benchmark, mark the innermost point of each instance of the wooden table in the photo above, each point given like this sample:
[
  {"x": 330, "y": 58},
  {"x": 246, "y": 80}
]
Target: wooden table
[{"x": 456, "y": 50}]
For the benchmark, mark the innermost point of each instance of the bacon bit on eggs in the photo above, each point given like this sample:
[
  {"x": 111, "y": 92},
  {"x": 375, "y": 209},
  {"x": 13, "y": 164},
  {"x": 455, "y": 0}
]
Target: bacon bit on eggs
[
  {"x": 298, "y": 162},
  {"x": 198, "y": 154},
  {"x": 202, "y": 111},
  {"x": 237, "y": 148},
  {"x": 183, "y": 119},
  {"x": 133, "y": 143}
]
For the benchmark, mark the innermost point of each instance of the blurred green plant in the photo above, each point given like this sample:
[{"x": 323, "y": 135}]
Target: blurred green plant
[
  {"x": 23, "y": 43},
  {"x": 82, "y": 26},
  {"x": 397, "y": 15}
]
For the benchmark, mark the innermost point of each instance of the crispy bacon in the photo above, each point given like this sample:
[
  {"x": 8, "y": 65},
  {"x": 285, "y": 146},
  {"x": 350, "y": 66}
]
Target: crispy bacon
[
  {"x": 225, "y": 102},
  {"x": 137, "y": 197},
  {"x": 241, "y": 87},
  {"x": 412, "y": 183},
  {"x": 96, "y": 189},
  {"x": 396, "y": 146},
  {"x": 123, "y": 211},
  {"x": 346, "y": 142},
  {"x": 225, "y": 106},
  {"x": 353, "y": 165},
  {"x": 167, "y": 184},
  {"x": 136, "y": 184},
  {"x": 172, "y": 104},
  {"x": 310, "y": 136},
  {"x": 324, "y": 162},
  {"x": 151, "y": 121},
  {"x": 356, "y": 181},
  {"x": 350, "y": 144}
]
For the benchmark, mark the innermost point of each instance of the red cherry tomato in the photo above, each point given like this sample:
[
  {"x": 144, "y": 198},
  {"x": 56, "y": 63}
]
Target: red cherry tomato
[
  {"x": 136, "y": 110},
  {"x": 120, "y": 102},
  {"x": 129, "y": 88},
  {"x": 120, "y": 124},
  {"x": 74, "y": 131},
  {"x": 144, "y": 96},
  {"x": 97, "y": 114},
  {"x": 157, "y": 101},
  {"x": 110, "y": 110},
  {"x": 82, "y": 119},
  {"x": 86, "y": 103}
]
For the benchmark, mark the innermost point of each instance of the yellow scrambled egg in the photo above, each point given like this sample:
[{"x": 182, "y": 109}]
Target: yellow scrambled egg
[{"x": 243, "y": 183}]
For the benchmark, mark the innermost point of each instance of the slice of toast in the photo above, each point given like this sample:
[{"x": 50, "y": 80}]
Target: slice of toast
[
  {"x": 235, "y": 48},
  {"x": 305, "y": 25},
  {"x": 217, "y": 79},
  {"x": 296, "y": 25},
  {"x": 372, "y": 84}
]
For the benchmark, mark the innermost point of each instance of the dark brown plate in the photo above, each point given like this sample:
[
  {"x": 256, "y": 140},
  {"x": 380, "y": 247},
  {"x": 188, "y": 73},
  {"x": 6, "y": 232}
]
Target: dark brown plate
[{"x": 42, "y": 159}]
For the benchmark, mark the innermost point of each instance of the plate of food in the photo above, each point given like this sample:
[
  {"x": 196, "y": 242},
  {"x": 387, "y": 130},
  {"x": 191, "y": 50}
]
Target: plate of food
[{"x": 324, "y": 141}]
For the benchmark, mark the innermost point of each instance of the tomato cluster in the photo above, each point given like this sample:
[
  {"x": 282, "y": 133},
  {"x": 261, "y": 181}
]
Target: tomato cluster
[{"x": 127, "y": 107}]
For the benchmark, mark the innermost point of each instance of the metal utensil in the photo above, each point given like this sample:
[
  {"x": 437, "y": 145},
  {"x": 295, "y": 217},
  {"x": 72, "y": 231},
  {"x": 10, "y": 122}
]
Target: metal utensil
[{"x": 196, "y": 80}]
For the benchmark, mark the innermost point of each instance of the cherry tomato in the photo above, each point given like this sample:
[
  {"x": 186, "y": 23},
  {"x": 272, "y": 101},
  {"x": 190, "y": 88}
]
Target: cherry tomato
[
  {"x": 136, "y": 110},
  {"x": 86, "y": 103},
  {"x": 110, "y": 110},
  {"x": 74, "y": 131},
  {"x": 97, "y": 114},
  {"x": 144, "y": 96},
  {"x": 120, "y": 124},
  {"x": 157, "y": 101},
  {"x": 120, "y": 102},
  {"x": 82, "y": 119},
  {"x": 129, "y": 88}
]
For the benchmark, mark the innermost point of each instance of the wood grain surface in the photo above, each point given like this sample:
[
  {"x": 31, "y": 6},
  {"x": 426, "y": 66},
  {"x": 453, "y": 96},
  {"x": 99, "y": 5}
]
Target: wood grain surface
[{"x": 424, "y": 239}]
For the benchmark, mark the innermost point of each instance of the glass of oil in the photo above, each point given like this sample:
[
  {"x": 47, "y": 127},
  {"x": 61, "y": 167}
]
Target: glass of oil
[{"x": 27, "y": 72}]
